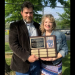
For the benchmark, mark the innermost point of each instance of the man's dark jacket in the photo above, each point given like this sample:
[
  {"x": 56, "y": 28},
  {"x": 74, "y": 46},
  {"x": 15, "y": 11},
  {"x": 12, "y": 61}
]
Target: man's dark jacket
[{"x": 20, "y": 45}]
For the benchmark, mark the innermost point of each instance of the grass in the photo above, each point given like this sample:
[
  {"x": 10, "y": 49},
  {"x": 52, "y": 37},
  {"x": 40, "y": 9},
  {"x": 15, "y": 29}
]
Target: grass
[
  {"x": 8, "y": 60},
  {"x": 66, "y": 65},
  {"x": 68, "y": 43},
  {"x": 7, "y": 48},
  {"x": 6, "y": 33}
]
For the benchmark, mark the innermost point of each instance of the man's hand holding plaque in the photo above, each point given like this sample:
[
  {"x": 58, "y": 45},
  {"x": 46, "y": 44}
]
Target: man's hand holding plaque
[{"x": 32, "y": 58}]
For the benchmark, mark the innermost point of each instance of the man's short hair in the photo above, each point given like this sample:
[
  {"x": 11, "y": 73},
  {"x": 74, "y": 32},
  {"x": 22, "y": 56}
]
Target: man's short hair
[{"x": 27, "y": 4}]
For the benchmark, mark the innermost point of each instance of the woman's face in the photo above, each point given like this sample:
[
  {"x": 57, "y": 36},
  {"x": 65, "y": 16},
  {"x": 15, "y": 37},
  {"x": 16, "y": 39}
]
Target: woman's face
[{"x": 48, "y": 24}]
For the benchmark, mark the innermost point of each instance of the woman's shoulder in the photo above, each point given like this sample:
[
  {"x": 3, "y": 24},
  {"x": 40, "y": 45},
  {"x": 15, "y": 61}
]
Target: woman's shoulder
[{"x": 58, "y": 32}]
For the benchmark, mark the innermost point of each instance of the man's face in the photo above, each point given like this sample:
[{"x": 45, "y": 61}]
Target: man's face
[{"x": 27, "y": 14}]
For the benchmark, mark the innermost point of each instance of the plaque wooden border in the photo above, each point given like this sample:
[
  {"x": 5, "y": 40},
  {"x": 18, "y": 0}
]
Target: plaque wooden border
[{"x": 47, "y": 48}]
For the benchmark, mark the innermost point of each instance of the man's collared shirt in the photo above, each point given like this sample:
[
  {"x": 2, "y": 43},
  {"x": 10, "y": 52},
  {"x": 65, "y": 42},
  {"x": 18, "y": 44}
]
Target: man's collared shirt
[{"x": 31, "y": 29}]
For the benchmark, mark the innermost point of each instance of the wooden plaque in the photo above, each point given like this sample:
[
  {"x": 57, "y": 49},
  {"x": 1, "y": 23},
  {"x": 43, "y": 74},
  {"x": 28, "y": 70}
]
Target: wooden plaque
[{"x": 43, "y": 46}]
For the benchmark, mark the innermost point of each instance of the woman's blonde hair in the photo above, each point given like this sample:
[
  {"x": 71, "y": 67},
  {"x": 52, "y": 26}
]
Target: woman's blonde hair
[{"x": 51, "y": 18}]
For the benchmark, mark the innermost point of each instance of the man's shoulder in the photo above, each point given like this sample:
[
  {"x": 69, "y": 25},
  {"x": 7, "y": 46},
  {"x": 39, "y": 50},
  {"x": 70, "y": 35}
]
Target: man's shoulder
[
  {"x": 36, "y": 24},
  {"x": 16, "y": 22}
]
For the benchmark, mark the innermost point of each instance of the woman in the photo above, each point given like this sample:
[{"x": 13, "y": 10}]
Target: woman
[{"x": 53, "y": 66}]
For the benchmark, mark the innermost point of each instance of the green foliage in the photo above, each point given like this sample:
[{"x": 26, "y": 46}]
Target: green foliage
[
  {"x": 64, "y": 20},
  {"x": 53, "y": 3},
  {"x": 12, "y": 11}
]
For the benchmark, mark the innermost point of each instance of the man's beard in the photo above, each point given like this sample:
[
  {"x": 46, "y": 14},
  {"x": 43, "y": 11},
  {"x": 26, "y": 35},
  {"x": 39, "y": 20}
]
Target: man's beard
[{"x": 30, "y": 20}]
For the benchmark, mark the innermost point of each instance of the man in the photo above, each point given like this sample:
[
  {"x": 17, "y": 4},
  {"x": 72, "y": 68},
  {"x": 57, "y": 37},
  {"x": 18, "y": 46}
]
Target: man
[{"x": 22, "y": 62}]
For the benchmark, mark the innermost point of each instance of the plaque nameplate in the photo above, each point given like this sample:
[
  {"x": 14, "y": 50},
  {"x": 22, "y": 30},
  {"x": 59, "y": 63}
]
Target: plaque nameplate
[{"x": 43, "y": 46}]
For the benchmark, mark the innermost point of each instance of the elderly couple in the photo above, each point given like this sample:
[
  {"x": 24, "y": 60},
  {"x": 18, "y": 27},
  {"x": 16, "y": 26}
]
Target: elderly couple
[{"x": 22, "y": 62}]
